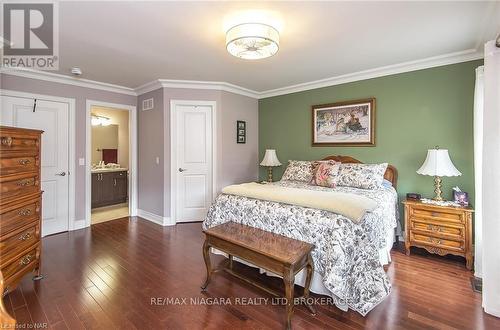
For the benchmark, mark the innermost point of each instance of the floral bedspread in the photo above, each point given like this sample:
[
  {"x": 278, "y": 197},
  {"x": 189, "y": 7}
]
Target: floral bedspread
[{"x": 345, "y": 255}]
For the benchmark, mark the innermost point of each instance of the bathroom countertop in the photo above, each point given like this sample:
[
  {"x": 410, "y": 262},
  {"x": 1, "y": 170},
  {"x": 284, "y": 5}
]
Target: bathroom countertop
[{"x": 108, "y": 170}]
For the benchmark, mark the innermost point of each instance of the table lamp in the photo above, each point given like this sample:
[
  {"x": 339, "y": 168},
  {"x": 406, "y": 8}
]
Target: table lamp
[
  {"x": 270, "y": 160},
  {"x": 438, "y": 164}
]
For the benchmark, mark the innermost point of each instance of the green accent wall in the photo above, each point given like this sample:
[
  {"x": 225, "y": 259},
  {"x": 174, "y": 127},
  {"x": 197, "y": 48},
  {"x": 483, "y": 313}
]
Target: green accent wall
[{"x": 415, "y": 111}]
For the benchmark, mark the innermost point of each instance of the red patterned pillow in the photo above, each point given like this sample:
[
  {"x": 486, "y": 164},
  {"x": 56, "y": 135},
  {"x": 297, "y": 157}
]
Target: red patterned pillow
[{"x": 325, "y": 173}]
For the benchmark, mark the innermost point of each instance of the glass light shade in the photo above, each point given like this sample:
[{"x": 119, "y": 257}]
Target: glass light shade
[
  {"x": 252, "y": 41},
  {"x": 105, "y": 121},
  {"x": 438, "y": 163},
  {"x": 95, "y": 121},
  {"x": 270, "y": 158}
]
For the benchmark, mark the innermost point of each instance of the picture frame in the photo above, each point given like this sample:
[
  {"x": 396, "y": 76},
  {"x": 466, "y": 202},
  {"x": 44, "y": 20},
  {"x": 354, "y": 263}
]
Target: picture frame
[
  {"x": 241, "y": 131},
  {"x": 348, "y": 123}
]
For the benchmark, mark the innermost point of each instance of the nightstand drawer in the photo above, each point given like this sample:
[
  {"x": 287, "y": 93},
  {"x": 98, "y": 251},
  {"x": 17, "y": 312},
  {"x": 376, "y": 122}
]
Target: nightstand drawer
[
  {"x": 449, "y": 216},
  {"x": 437, "y": 242},
  {"x": 437, "y": 227}
]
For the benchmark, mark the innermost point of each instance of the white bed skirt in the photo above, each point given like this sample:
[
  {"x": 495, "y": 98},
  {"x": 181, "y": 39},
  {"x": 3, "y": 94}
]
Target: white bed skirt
[{"x": 317, "y": 285}]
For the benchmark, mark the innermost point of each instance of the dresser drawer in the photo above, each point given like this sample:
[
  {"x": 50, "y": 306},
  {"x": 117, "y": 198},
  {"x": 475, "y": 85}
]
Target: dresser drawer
[
  {"x": 19, "y": 240},
  {"x": 18, "y": 185},
  {"x": 15, "y": 216},
  {"x": 441, "y": 215},
  {"x": 20, "y": 266},
  {"x": 18, "y": 164},
  {"x": 9, "y": 141},
  {"x": 430, "y": 226},
  {"x": 447, "y": 244}
]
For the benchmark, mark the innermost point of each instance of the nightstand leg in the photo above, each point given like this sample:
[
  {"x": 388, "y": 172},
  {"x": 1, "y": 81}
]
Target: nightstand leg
[
  {"x": 407, "y": 248},
  {"x": 469, "y": 262}
]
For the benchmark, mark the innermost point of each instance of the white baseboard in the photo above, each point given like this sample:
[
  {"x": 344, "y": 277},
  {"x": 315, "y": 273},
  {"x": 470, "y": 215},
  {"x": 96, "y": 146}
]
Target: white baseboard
[
  {"x": 79, "y": 224},
  {"x": 155, "y": 218},
  {"x": 492, "y": 311}
]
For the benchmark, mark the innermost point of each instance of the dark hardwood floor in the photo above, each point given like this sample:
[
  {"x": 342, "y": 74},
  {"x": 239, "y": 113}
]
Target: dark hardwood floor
[{"x": 108, "y": 275}]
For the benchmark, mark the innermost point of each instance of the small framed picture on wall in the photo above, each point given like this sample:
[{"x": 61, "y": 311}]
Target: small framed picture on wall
[{"x": 241, "y": 131}]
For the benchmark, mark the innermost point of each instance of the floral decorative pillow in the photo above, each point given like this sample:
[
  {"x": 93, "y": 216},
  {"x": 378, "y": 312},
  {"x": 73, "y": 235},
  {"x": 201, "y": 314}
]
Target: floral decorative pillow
[
  {"x": 298, "y": 170},
  {"x": 365, "y": 176},
  {"x": 325, "y": 173}
]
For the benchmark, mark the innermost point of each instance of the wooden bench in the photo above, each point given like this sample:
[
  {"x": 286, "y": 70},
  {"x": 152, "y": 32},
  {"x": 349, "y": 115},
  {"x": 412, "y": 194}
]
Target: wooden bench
[{"x": 278, "y": 254}]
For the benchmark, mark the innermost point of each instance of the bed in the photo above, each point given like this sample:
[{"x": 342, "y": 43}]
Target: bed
[{"x": 348, "y": 256}]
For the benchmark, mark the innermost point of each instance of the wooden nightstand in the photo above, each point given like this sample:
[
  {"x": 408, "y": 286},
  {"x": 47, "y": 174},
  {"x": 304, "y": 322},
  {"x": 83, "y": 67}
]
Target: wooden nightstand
[{"x": 439, "y": 229}]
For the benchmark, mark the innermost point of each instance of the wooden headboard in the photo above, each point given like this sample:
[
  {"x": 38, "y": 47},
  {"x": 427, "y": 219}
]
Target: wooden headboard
[{"x": 391, "y": 174}]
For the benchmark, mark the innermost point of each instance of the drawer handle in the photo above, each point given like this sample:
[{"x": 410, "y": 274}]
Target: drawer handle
[
  {"x": 434, "y": 228},
  {"x": 434, "y": 214},
  {"x": 24, "y": 162},
  {"x": 26, "y": 260},
  {"x": 114, "y": 182},
  {"x": 25, "y": 236},
  {"x": 25, "y": 182},
  {"x": 7, "y": 141},
  {"x": 434, "y": 240},
  {"x": 25, "y": 212}
]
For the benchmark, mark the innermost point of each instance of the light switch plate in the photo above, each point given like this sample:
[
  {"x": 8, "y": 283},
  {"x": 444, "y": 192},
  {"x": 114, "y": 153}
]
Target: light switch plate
[
  {"x": 157, "y": 160},
  {"x": 81, "y": 161}
]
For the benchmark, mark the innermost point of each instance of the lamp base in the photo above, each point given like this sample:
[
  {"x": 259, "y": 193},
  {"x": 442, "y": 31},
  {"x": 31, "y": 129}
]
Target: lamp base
[
  {"x": 437, "y": 189},
  {"x": 269, "y": 174}
]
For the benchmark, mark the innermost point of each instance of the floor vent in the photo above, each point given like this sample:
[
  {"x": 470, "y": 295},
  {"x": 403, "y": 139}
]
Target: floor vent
[{"x": 477, "y": 284}]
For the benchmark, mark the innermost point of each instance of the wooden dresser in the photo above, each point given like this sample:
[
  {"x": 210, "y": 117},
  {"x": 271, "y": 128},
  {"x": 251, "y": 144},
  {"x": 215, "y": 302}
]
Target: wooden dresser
[
  {"x": 20, "y": 204},
  {"x": 439, "y": 229}
]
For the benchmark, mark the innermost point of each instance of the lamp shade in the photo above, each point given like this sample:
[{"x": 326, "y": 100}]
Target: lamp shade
[
  {"x": 438, "y": 163},
  {"x": 270, "y": 158}
]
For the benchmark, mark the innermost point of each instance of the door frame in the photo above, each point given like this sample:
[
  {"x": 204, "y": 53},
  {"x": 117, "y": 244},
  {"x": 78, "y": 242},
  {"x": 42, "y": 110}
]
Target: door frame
[
  {"x": 173, "y": 152},
  {"x": 72, "y": 222},
  {"x": 132, "y": 161}
]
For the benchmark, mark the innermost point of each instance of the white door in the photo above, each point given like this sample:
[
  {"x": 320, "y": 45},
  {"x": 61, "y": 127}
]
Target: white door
[
  {"x": 194, "y": 161},
  {"x": 52, "y": 118}
]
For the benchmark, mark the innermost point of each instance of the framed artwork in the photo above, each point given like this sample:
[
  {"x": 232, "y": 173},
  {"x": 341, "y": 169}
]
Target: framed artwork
[
  {"x": 241, "y": 131},
  {"x": 350, "y": 123}
]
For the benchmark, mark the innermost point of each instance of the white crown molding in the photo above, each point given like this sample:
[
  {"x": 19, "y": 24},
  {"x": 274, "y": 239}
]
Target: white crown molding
[
  {"x": 68, "y": 80},
  {"x": 452, "y": 58},
  {"x": 196, "y": 84},
  {"x": 446, "y": 59}
]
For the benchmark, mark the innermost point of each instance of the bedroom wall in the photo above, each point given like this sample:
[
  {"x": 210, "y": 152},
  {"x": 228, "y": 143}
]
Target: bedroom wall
[
  {"x": 415, "y": 111},
  {"x": 149, "y": 146},
  {"x": 235, "y": 162},
  {"x": 80, "y": 94}
]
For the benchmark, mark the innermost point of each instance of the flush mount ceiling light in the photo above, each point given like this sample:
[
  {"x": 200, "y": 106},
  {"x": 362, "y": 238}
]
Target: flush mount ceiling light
[{"x": 252, "y": 41}]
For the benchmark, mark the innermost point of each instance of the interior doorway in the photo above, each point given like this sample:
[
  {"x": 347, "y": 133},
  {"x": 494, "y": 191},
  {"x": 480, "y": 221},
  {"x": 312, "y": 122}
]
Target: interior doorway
[{"x": 111, "y": 162}]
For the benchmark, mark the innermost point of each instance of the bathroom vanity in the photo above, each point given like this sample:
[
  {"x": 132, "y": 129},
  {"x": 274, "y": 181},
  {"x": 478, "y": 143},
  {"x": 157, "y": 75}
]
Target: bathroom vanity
[{"x": 109, "y": 187}]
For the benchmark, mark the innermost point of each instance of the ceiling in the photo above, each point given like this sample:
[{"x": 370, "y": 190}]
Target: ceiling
[{"x": 133, "y": 43}]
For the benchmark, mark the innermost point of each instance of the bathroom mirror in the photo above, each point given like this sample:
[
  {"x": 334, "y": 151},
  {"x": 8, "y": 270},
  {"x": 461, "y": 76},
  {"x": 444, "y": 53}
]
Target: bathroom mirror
[{"x": 105, "y": 144}]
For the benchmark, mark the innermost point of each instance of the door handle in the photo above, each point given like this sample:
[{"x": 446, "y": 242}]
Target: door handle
[
  {"x": 61, "y": 174},
  {"x": 182, "y": 169}
]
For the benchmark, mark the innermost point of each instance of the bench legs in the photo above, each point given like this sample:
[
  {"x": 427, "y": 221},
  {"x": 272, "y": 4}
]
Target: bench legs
[
  {"x": 309, "y": 270},
  {"x": 289, "y": 281},
  {"x": 206, "y": 256}
]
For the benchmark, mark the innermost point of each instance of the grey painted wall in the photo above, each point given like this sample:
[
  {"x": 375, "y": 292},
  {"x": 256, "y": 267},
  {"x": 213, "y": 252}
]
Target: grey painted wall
[
  {"x": 80, "y": 94},
  {"x": 150, "y": 145},
  {"x": 235, "y": 162}
]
